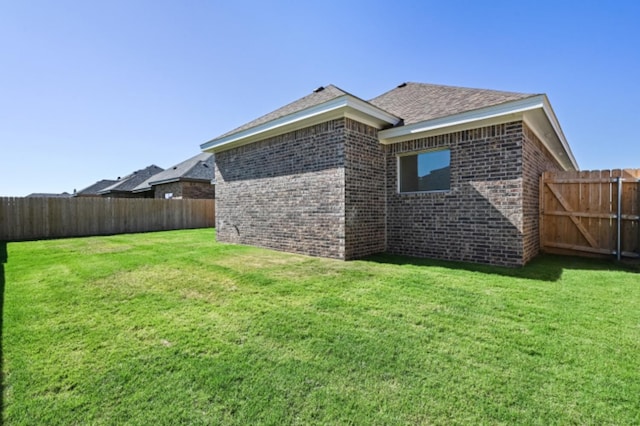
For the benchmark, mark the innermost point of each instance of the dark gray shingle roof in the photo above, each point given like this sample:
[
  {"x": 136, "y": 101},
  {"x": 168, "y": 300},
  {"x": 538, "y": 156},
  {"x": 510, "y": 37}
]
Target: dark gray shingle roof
[
  {"x": 415, "y": 102},
  {"x": 48, "y": 195},
  {"x": 199, "y": 167},
  {"x": 96, "y": 187},
  {"x": 127, "y": 183},
  {"x": 317, "y": 97}
]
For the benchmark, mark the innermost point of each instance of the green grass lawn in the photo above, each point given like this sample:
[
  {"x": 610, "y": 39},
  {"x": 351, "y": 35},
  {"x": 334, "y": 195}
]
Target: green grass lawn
[{"x": 173, "y": 328}]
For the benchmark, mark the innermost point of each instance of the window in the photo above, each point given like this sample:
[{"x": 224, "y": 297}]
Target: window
[{"x": 427, "y": 171}]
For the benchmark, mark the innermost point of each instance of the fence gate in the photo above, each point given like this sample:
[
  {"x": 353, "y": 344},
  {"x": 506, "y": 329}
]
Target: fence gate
[{"x": 591, "y": 212}]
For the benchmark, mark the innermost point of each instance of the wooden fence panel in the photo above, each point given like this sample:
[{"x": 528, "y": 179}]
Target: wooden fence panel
[
  {"x": 23, "y": 219},
  {"x": 579, "y": 212}
]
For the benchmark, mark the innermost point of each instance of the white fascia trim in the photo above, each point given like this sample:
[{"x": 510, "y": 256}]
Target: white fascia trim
[
  {"x": 342, "y": 102},
  {"x": 136, "y": 190},
  {"x": 515, "y": 107},
  {"x": 168, "y": 180},
  {"x": 177, "y": 179},
  {"x": 553, "y": 120}
]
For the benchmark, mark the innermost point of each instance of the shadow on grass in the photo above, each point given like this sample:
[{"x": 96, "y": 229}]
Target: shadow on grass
[
  {"x": 3, "y": 259},
  {"x": 545, "y": 267}
]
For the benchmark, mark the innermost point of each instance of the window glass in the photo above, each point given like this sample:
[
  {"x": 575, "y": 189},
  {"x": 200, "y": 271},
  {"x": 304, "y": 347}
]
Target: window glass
[{"x": 427, "y": 171}]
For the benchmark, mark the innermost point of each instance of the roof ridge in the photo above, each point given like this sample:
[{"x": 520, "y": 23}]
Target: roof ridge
[
  {"x": 448, "y": 86},
  {"x": 176, "y": 172},
  {"x": 305, "y": 102},
  {"x": 416, "y": 102}
]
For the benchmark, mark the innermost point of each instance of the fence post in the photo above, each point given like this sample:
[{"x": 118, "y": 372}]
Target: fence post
[
  {"x": 619, "y": 242},
  {"x": 541, "y": 233}
]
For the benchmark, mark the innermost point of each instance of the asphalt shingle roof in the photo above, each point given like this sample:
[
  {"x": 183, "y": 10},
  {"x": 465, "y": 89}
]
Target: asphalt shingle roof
[
  {"x": 317, "y": 97},
  {"x": 48, "y": 195},
  {"x": 412, "y": 102},
  {"x": 127, "y": 183},
  {"x": 96, "y": 187},
  {"x": 416, "y": 102},
  {"x": 199, "y": 167}
]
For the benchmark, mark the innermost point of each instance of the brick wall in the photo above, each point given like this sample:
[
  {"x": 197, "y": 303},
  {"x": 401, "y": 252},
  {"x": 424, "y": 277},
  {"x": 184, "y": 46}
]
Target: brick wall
[
  {"x": 481, "y": 218},
  {"x": 174, "y": 188},
  {"x": 185, "y": 189},
  {"x": 364, "y": 172},
  {"x": 285, "y": 192},
  {"x": 203, "y": 190},
  {"x": 536, "y": 159},
  {"x": 331, "y": 190}
]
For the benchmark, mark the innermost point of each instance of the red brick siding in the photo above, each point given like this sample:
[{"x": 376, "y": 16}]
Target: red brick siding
[
  {"x": 364, "y": 173},
  {"x": 185, "y": 189},
  {"x": 480, "y": 219},
  {"x": 285, "y": 192},
  {"x": 331, "y": 190},
  {"x": 536, "y": 159}
]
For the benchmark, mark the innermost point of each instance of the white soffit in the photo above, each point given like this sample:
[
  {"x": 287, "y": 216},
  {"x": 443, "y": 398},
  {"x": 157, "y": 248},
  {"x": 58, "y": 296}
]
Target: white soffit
[
  {"x": 343, "y": 106},
  {"x": 544, "y": 124}
]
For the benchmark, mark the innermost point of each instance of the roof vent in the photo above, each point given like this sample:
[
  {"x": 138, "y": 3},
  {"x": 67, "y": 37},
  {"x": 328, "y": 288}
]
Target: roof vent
[
  {"x": 401, "y": 85},
  {"x": 319, "y": 89},
  {"x": 175, "y": 168}
]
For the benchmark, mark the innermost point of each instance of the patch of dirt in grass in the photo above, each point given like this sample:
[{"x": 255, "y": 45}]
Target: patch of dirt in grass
[
  {"x": 197, "y": 284},
  {"x": 262, "y": 259},
  {"x": 90, "y": 246}
]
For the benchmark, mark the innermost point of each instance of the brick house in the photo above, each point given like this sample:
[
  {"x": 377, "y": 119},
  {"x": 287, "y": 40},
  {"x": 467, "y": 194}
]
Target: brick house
[
  {"x": 192, "y": 178},
  {"x": 123, "y": 187},
  {"x": 422, "y": 170}
]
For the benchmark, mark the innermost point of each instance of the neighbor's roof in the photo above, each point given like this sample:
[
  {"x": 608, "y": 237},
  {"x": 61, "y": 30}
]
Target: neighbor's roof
[
  {"x": 127, "y": 183},
  {"x": 318, "y": 96},
  {"x": 48, "y": 195},
  {"x": 96, "y": 187},
  {"x": 199, "y": 167},
  {"x": 415, "y": 102}
]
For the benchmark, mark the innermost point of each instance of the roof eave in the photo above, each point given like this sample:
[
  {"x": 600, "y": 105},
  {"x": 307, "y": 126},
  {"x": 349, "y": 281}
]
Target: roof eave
[
  {"x": 163, "y": 181},
  {"x": 342, "y": 106},
  {"x": 527, "y": 109},
  {"x": 397, "y": 134},
  {"x": 553, "y": 120},
  {"x": 170, "y": 180},
  {"x": 138, "y": 190}
]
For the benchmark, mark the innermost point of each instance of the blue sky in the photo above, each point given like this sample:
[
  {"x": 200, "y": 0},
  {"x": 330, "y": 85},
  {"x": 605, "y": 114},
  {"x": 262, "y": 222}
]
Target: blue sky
[{"x": 92, "y": 90}]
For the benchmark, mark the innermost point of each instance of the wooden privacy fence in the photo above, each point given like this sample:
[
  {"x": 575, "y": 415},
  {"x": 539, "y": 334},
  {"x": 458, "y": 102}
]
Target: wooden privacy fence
[
  {"x": 39, "y": 218},
  {"x": 591, "y": 212}
]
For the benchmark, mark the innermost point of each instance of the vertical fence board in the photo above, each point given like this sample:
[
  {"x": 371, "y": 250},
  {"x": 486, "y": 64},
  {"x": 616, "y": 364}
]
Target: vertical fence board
[
  {"x": 595, "y": 190},
  {"x": 24, "y": 219}
]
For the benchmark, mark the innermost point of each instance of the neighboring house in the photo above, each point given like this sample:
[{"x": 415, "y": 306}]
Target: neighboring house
[
  {"x": 92, "y": 190},
  {"x": 47, "y": 195},
  {"x": 123, "y": 187},
  {"x": 422, "y": 170},
  {"x": 193, "y": 178}
]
